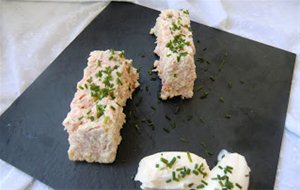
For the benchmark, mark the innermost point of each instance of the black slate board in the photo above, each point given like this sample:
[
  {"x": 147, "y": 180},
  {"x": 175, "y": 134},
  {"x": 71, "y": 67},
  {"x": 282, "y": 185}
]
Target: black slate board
[{"x": 32, "y": 137}]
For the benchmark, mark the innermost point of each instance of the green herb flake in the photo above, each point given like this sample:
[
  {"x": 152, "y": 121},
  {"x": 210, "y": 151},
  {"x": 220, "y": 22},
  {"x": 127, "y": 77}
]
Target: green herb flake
[
  {"x": 89, "y": 80},
  {"x": 181, "y": 54},
  {"x": 168, "y": 181},
  {"x": 92, "y": 118},
  {"x": 119, "y": 74},
  {"x": 100, "y": 110},
  {"x": 173, "y": 125},
  {"x": 204, "y": 95},
  {"x": 229, "y": 84},
  {"x": 204, "y": 182},
  {"x": 153, "y": 108},
  {"x": 137, "y": 128},
  {"x": 212, "y": 78},
  {"x": 98, "y": 63},
  {"x": 166, "y": 130},
  {"x": 221, "y": 65},
  {"x": 81, "y": 87},
  {"x": 153, "y": 79},
  {"x": 189, "y": 157},
  {"x": 189, "y": 117},
  {"x": 122, "y": 54},
  {"x": 186, "y": 12},
  {"x": 106, "y": 119},
  {"x": 149, "y": 71},
  {"x": 184, "y": 140},
  {"x": 227, "y": 116},
  {"x": 167, "y": 117},
  {"x": 157, "y": 165},
  {"x": 119, "y": 82},
  {"x": 80, "y": 118},
  {"x": 201, "y": 186},
  {"x": 171, "y": 163},
  {"x": 177, "y": 109},
  {"x": 199, "y": 88},
  {"x": 221, "y": 99},
  {"x": 238, "y": 185}
]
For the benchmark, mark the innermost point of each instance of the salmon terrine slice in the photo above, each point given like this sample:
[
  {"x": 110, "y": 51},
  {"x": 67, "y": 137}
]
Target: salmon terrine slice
[
  {"x": 176, "y": 50},
  {"x": 96, "y": 115}
]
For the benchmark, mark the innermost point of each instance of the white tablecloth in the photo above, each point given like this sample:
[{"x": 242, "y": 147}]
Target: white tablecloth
[{"x": 34, "y": 33}]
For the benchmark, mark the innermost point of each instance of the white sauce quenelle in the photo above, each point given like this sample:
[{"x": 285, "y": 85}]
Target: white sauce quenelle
[
  {"x": 176, "y": 50},
  {"x": 184, "y": 170},
  {"x": 96, "y": 116},
  {"x": 171, "y": 170}
]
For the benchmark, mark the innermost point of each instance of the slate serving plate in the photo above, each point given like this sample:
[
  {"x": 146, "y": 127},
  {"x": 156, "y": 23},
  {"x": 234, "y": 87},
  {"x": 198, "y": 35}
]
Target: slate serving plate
[{"x": 240, "y": 104}]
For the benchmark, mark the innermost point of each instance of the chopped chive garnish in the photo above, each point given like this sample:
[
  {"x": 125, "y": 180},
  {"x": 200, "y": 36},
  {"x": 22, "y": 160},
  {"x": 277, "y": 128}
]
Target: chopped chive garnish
[
  {"x": 167, "y": 117},
  {"x": 105, "y": 120},
  {"x": 212, "y": 78},
  {"x": 175, "y": 75},
  {"x": 200, "y": 186},
  {"x": 221, "y": 99},
  {"x": 221, "y": 65},
  {"x": 238, "y": 185},
  {"x": 177, "y": 109},
  {"x": 204, "y": 95},
  {"x": 189, "y": 157},
  {"x": 157, "y": 165},
  {"x": 195, "y": 172},
  {"x": 168, "y": 181},
  {"x": 174, "y": 176},
  {"x": 80, "y": 118},
  {"x": 137, "y": 128},
  {"x": 204, "y": 182},
  {"x": 166, "y": 130},
  {"x": 182, "y": 139},
  {"x": 81, "y": 87},
  {"x": 92, "y": 118},
  {"x": 172, "y": 162},
  {"x": 199, "y": 88},
  {"x": 229, "y": 84},
  {"x": 98, "y": 63},
  {"x": 189, "y": 117},
  {"x": 186, "y": 11},
  {"x": 153, "y": 108},
  {"x": 227, "y": 116},
  {"x": 190, "y": 185},
  {"x": 112, "y": 107},
  {"x": 173, "y": 124},
  {"x": 165, "y": 161},
  {"x": 201, "y": 60}
]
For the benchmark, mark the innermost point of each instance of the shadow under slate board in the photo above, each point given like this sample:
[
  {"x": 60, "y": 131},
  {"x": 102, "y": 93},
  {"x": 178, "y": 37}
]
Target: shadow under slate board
[{"x": 240, "y": 103}]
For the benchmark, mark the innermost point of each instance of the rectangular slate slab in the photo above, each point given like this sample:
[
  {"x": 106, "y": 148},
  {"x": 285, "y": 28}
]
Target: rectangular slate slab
[{"x": 248, "y": 86}]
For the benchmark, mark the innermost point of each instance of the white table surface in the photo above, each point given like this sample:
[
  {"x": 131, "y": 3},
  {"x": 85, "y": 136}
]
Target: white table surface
[{"x": 34, "y": 33}]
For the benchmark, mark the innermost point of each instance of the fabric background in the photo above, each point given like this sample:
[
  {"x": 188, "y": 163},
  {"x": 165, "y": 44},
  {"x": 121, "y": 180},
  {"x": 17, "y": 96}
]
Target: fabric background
[{"x": 34, "y": 33}]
